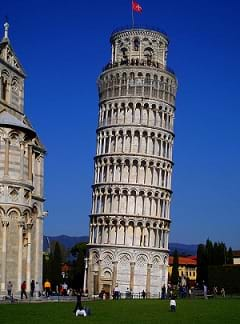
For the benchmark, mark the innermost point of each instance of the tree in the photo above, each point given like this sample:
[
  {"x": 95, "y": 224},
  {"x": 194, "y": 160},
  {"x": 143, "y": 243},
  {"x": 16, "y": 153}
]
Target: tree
[
  {"x": 201, "y": 264},
  {"x": 56, "y": 260},
  {"x": 229, "y": 258},
  {"x": 175, "y": 275},
  {"x": 211, "y": 254},
  {"x": 79, "y": 252},
  {"x": 209, "y": 251}
]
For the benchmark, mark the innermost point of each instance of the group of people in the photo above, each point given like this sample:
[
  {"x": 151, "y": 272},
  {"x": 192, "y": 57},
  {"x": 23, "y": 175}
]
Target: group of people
[
  {"x": 217, "y": 292},
  {"x": 34, "y": 289}
]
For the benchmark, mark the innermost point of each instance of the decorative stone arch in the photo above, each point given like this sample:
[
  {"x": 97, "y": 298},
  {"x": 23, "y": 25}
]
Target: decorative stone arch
[
  {"x": 13, "y": 210},
  {"x": 165, "y": 259},
  {"x": 2, "y": 212},
  {"x": 15, "y": 85},
  {"x": 108, "y": 256},
  {"x": 124, "y": 258},
  {"x": 14, "y": 135},
  {"x": 95, "y": 256},
  {"x": 142, "y": 259},
  {"x": 28, "y": 218},
  {"x": 107, "y": 273},
  {"x": 2, "y": 132},
  {"x": 156, "y": 260},
  {"x": 35, "y": 211},
  {"x": 4, "y": 85}
]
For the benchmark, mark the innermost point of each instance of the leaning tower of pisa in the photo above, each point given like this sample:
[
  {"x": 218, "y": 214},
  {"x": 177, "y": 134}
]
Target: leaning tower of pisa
[{"x": 130, "y": 217}]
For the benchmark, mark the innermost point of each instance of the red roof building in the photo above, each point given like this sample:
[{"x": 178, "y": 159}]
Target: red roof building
[{"x": 187, "y": 267}]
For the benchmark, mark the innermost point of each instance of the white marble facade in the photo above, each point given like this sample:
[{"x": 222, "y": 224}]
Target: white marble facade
[
  {"x": 21, "y": 179},
  {"x": 130, "y": 217}
]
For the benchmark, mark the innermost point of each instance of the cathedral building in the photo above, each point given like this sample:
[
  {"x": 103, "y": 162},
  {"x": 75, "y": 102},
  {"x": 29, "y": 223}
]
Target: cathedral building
[
  {"x": 21, "y": 179},
  {"x": 130, "y": 217}
]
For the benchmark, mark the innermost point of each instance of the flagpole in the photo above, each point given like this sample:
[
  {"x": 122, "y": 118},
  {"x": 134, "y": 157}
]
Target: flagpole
[{"x": 132, "y": 15}]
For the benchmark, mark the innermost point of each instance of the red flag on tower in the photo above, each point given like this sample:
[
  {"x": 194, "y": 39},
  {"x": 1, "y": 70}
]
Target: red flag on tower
[{"x": 136, "y": 7}]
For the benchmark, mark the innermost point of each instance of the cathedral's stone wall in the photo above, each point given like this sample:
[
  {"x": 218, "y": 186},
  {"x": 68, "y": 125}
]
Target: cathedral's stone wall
[
  {"x": 21, "y": 180},
  {"x": 130, "y": 217}
]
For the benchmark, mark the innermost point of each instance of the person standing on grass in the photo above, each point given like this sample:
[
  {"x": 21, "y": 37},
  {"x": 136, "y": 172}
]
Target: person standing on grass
[
  {"x": 205, "y": 291},
  {"x": 23, "y": 289},
  {"x": 64, "y": 289},
  {"x": 9, "y": 288},
  {"x": 163, "y": 296},
  {"x": 79, "y": 301},
  {"x": 173, "y": 304},
  {"x": 223, "y": 292},
  {"x": 32, "y": 285},
  {"x": 47, "y": 287},
  {"x": 37, "y": 290},
  {"x": 116, "y": 292}
]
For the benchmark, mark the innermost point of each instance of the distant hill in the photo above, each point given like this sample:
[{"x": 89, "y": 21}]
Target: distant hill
[
  {"x": 69, "y": 241},
  {"x": 183, "y": 249}
]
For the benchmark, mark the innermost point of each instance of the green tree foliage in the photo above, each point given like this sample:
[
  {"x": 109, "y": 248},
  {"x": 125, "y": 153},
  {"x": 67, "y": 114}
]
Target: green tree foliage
[
  {"x": 209, "y": 250},
  {"x": 175, "y": 275},
  {"x": 52, "y": 264},
  {"x": 211, "y": 254},
  {"x": 79, "y": 252},
  {"x": 46, "y": 267},
  {"x": 56, "y": 267},
  {"x": 201, "y": 264},
  {"x": 230, "y": 256},
  {"x": 225, "y": 276}
]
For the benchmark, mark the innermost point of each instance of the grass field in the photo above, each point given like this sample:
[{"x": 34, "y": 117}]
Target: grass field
[{"x": 125, "y": 311}]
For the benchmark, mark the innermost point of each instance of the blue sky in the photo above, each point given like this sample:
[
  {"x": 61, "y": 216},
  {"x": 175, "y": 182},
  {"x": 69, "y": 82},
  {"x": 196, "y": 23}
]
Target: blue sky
[{"x": 63, "y": 46}]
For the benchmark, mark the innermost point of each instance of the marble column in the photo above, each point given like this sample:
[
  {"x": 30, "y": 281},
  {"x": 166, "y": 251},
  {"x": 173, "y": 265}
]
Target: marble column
[
  {"x": 5, "y": 224},
  {"x": 148, "y": 281},
  {"x": 6, "y": 161},
  {"x": 114, "y": 276},
  {"x": 22, "y": 160},
  {"x": 38, "y": 249},
  {"x": 99, "y": 275},
  {"x": 30, "y": 162},
  {"x": 20, "y": 254},
  {"x": 85, "y": 275},
  {"x": 29, "y": 245},
  {"x": 90, "y": 283},
  {"x": 132, "y": 274}
]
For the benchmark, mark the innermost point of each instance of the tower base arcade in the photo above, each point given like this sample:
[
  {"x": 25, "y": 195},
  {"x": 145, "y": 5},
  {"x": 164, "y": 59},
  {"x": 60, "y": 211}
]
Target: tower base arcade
[{"x": 132, "y": 270}]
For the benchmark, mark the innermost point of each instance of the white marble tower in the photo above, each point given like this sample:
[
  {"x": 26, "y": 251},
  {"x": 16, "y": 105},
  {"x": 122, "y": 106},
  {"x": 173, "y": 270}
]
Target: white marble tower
[
  {"x": 21, "y": 179},
  {"x": 130, "y": 218}
]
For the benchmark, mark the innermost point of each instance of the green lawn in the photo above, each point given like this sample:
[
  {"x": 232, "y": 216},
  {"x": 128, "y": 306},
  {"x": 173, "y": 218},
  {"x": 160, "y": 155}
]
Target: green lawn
[{"x": 225, "y": 311}]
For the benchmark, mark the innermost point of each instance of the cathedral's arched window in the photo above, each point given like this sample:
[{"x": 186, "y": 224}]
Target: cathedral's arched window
[
  {"x": 136, "y": 44},
  {"x": 15, "y": 85}
]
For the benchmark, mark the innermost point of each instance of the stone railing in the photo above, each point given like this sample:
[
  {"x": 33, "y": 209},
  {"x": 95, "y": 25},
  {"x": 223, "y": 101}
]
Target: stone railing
[
  {"x": 136, "y": 88},
  {"x": 137, "y": 62}
]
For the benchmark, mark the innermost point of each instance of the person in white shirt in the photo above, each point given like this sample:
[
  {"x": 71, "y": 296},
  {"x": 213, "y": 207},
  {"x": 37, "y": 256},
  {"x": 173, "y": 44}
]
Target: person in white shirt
[
  {"x": 37, "y": 290},
  {"x": 81, "y": 312},
  {"x": 173, "y": 304}
]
